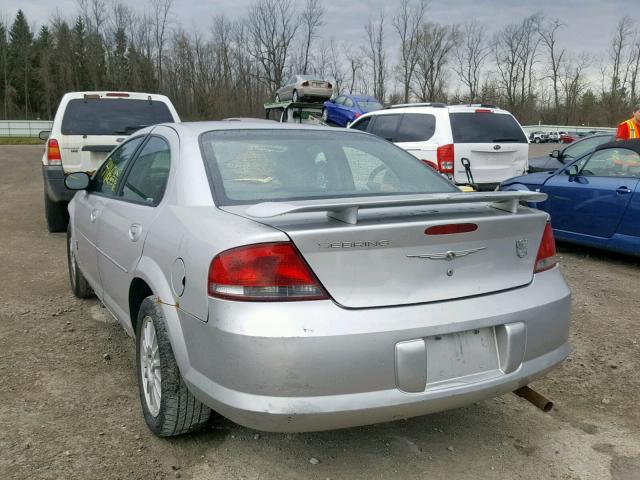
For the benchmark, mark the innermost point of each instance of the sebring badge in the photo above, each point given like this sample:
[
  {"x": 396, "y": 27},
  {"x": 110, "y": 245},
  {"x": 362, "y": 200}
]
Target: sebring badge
[{"x": 522, "y": 247}]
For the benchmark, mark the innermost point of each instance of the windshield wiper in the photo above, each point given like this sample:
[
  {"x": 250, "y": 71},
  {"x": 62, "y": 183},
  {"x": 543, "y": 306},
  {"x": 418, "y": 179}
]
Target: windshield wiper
[
  {"x": 130, "y": 128},
  {"x": 506, "y": 139}
]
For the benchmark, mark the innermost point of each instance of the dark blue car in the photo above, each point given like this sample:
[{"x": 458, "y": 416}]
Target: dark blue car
[
  {"x": 346, "y": 108},
  {"x": 594, "y": 200}
]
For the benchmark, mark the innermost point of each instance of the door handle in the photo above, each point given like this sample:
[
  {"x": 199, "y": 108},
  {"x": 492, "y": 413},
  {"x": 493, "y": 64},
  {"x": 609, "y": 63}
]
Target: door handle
[
  {"x": 135, "y": 230},
  {"x": 94, "y": 215},
  {"x": 623, "y": 190}
]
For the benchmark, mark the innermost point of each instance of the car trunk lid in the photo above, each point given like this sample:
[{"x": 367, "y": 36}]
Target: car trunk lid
[{"x": 391, "y": 255}]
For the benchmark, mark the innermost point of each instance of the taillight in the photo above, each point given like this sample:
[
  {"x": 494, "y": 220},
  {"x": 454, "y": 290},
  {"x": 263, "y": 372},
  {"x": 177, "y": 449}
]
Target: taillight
[
  {"x": 546, "y": 258},
  {"x": 445, "y": 156},
  {"x": 357, "y": 115},
  {"x": 329, "y": 85},
  {"x": 305, "y": 84},
  {"x": 117, "y": 94},
  {"x": 483, "y": 110},
  {"x": 53, "y": 152},
  {"x": 451, "y": 228},
  {"x": 263, "y": 272}
]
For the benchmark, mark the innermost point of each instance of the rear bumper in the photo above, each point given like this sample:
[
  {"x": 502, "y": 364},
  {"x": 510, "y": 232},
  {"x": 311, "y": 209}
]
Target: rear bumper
[
  {"x": 53, "y": 177},
  {"x": 306, "y": 366}
]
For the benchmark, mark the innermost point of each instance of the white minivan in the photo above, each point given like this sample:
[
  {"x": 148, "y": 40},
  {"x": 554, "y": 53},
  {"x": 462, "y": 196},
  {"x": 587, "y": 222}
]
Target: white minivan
[
  {"x": 86, "y": 127},
  {"x": 470, "y": 144}
]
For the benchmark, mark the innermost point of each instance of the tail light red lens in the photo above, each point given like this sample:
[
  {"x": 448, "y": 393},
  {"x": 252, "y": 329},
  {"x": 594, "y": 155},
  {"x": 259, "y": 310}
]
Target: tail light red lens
[
  {"x": 357, "y": 115},
  {"x": 329, "y": 85},
  {"x": 546, "y": 258},
  {"x": 53, "y": 152},
  {"x": 263, "y": 272},
  {"x": 445, "y": 154},
  {"x": 117, "y": 94}
]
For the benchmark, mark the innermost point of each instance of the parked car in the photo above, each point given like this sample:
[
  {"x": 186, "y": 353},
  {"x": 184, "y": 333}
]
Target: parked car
[
  {"x": 86, "y": 127},
  {"x": 301, "y": 87},
  {"x": 490, "y": 138},
  {"x": 555, "y": 136},
  {"x": 557, "y": 158},
  {"x": 568, "y": 137},
  {"x": 345, "y": 109},
  {"x": 247, "y": 263},
  {"x": 538, "y": 137},
  {"x": 595, "y": 199}
]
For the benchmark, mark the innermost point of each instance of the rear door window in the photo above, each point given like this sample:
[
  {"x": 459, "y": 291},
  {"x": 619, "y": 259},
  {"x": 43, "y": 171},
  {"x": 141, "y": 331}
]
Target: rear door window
[
  {"x": 121, "y": 116},
  {"x": 385, "y": 126},
  {"x": 148, "y": 176},
  {"x": 481, "y": 127},
  {"x": 106, "y": 179},
  {"x": 416, "y": 127},
  {"x": 363, "y": 124}
]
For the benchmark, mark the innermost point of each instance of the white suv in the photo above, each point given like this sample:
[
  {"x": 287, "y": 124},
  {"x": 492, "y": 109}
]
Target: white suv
[
  {"x": 487, "y": 139},
  {"x": 87, "y": 126}
]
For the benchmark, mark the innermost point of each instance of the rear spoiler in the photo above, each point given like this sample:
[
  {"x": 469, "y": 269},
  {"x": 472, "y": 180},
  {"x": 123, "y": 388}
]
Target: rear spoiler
[{"x": 346, "y": 210}]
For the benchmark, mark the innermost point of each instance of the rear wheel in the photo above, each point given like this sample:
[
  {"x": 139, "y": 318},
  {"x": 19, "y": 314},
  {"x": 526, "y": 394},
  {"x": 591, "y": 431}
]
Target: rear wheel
[
  {"x": 79, "y": 285},
  {"x": 169, "y": 408},
  {"x": 56, "y": 214},
  {"x": 277, "y": 98},
  {"x": 537, "y": 140},
  {"x": 325, "y": 115},
  {"x": 295, "y": 97}
]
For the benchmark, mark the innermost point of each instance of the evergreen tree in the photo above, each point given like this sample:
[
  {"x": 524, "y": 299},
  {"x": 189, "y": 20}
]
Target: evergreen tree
[{"x": 20, "y": 61}]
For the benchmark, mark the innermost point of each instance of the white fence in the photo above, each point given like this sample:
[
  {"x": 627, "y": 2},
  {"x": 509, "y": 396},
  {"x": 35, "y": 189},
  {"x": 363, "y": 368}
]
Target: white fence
[
  {"x": 23, "y": 128},
  {"x": 564, "y": 128}
]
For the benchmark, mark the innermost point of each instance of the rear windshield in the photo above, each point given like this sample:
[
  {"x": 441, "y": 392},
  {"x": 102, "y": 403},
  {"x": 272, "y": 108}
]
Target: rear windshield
[
  {"x": 252, "y": 166},
  {"x": 369, "y": 106},
  {"x": 122, "y": 116},
  {"x": 485, "y": 128}
]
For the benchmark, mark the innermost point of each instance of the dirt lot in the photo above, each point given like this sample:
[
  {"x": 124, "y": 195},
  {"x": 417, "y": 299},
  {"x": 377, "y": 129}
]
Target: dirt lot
[{"x": 69, "y": 405}]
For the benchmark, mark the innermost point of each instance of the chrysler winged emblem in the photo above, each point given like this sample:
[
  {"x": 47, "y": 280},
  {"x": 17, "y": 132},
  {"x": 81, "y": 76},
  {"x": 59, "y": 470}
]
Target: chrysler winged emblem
[{"x": 449, "y": 255}]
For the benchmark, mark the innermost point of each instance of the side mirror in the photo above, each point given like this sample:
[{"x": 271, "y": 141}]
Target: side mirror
[
  {"x": 44, "y": 135},
  {"x": 555, "y": 154},
  {"x": 77, "y": 181},
  {"x": 572, "y": 171}
]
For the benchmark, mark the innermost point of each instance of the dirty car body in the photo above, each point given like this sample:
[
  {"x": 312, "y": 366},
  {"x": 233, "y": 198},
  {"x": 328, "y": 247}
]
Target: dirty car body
[{"x": 314, "y": 279}]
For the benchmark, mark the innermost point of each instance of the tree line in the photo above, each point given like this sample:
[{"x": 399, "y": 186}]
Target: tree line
[{"x": 237, "y": 65}]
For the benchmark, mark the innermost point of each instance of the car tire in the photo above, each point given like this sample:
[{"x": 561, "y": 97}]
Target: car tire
[
  {"x": 173, "y": 410},
  {"x": 56, "y": 215},
  {"x": 277, "y": 98},
  {"x": 537, "y": 140},
  {"x": 79, "y": 284},
  {"x": 295, "y": 97},
  {"x": 325, "y": 115}
]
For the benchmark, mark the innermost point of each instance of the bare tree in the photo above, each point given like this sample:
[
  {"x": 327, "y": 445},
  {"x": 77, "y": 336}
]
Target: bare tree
[
  {"x": 312, "y": 20},
  {"x": 572, "y": 80},
  {"x": 271, "y": 27},
  {"x": 407, "y": 24},
  {"x": 354, "y": 60},
  {"x": 470, "y": 54},
  {"x": 336, "y": 67},
  {"x": 633, "y": 67},
  {"x": 160, "y": 11},
  {"x": 375, "y": 52},
  {"x": 548, "y": 35},
  {"x": 621, "y": 37},
  {"x": 515, "y": 50},
  {"x": 436, "y": 42}
]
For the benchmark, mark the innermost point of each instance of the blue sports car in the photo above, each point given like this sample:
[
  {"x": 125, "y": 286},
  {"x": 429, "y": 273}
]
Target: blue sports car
[
  {"x": 346, "y": 108},
  {"x": 594, "y": 200}
]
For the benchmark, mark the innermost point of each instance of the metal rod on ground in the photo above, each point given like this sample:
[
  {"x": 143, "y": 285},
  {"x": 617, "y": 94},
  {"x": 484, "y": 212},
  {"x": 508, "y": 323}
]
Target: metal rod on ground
[{"x": 534, "y": 397}]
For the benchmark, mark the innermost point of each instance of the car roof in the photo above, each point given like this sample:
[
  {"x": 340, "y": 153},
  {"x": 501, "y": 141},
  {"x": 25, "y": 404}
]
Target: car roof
[
  {"x": 418, "y": 108},
  {"x": 195, "y": 129},
  {"x": 628, "y": 144}
]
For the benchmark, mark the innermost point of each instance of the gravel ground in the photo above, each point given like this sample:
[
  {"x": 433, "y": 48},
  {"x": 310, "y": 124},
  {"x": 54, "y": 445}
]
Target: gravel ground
[{"x": 69, "y": 405}]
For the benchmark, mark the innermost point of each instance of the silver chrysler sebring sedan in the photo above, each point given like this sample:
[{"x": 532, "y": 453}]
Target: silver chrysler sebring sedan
[{"x": 297, "y": 278}]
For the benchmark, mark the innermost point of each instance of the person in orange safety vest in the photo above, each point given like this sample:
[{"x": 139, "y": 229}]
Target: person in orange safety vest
[{"x": 630, "y": 129}]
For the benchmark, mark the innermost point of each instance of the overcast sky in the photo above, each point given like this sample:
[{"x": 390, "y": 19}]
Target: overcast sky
[{"x": 589, "y": 23}]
